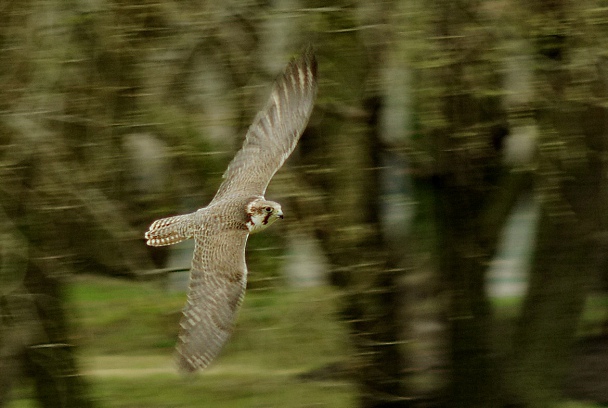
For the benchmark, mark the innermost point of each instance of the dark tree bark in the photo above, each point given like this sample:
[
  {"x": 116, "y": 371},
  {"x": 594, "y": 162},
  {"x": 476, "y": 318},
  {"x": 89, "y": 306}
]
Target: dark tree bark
[
  {"x": 473, "y": 194},
  {"x": 51, "y": 360},
  {"x": 572, "y": 188},
  {"x": 36, "y": 211},
  {"x": 341, "y": 155}
]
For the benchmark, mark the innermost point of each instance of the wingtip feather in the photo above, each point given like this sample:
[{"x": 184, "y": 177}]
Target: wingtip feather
[{"x": 306, "y": 61}]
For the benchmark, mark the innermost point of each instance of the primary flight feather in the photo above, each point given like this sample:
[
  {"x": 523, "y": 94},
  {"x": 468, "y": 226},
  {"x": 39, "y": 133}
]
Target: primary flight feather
[{"x": 218, "y": 275}]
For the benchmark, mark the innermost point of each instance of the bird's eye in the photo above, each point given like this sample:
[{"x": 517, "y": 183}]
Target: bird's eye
[{"x": 268, "y": 209}]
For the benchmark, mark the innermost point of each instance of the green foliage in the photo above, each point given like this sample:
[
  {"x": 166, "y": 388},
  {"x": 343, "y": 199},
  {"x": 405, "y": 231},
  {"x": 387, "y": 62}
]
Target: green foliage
[
  {"x": 265, "y": 254},
  {"x": 279, "y": 327},
  {"x": 223, "y": 390},
  {"x": 262, "y": 388},
  {"x": 126, "y": 332},
  {"x": 595, "y": 315},
  {"x": 576, "y": 404},
  {"x": 115, "y": 316}
]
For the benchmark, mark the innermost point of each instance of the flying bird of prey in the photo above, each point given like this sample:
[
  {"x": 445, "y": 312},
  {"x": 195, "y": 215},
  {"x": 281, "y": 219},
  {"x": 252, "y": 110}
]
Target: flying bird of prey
[{"x": 218, "y": 275}]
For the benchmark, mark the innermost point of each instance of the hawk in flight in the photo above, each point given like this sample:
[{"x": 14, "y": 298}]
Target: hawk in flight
[{"x": 218, "y": 275}]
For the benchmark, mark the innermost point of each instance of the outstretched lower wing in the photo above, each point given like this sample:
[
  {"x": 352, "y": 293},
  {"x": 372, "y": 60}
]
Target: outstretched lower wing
[
  {"x": 275, "y": 131},
  {"x": 217, "y": 285}
]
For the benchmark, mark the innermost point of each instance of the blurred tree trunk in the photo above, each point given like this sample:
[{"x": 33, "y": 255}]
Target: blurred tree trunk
[
  {"x": 571, "y": 116},
  {"x": 342, "y": 154},
  {"x": 36, "y": 212},
  {"x": 33, "y": 213},
  {"x": 465, "y": 178},
  {"x": 473, "y": 193},
  {"x": 53, "y": 215},
  {"x": 51, "y": 360}
]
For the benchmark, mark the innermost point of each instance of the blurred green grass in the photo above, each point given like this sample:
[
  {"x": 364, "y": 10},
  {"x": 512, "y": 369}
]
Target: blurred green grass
[
  {"x": 230, "y": 390},
  {"x": 275, "y": 327},
  {"x": 126, "y": 330}
]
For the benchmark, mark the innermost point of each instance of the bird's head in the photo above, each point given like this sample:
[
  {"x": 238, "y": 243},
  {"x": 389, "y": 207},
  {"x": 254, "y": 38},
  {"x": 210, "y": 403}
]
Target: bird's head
[{"x": 261, "y": 213}]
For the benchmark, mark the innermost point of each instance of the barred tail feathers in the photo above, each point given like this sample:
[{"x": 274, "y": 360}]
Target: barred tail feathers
[{"x": 169, "y": 231}]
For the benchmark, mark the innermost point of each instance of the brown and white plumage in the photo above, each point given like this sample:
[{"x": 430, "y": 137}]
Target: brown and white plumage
[{"x": 218, "y": 275}]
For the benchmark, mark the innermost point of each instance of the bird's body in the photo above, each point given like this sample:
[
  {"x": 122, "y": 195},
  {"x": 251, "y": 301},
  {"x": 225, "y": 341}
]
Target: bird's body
[{"x": 218, "y": 276}]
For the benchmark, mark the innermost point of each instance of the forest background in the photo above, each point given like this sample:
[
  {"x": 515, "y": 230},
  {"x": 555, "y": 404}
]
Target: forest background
[{"x": 437, "y": 124}]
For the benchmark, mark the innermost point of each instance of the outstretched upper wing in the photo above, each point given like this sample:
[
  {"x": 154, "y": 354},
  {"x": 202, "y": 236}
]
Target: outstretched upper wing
[
  {"x": 217, "y": 285},
  {"x": 275, "y": 130}
]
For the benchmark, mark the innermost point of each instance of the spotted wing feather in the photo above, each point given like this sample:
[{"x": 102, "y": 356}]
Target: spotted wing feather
[
  {"x": 275, "y": 131},
  {"x": 217, "y": 285}
]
